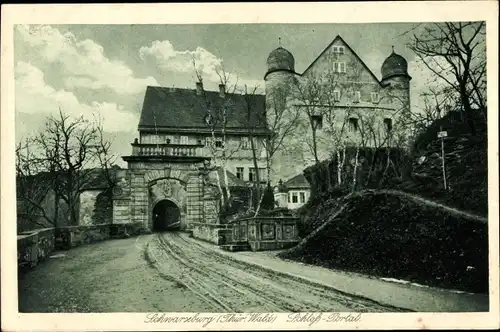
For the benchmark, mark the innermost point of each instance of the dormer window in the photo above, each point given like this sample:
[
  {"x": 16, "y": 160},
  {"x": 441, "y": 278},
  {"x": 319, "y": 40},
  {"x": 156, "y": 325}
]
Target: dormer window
[
  {"x": 317, "y": 121},
  {"x": 244, "y": 142}
]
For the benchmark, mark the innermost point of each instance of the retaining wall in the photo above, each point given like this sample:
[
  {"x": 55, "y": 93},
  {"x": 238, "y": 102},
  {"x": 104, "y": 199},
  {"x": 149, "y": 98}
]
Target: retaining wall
[{"x": 34, "y": 246}]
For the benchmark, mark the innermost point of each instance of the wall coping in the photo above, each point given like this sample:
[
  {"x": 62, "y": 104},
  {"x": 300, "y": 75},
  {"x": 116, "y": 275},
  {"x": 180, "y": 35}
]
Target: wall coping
[
  {"x": 267, "y": 218},
  {"x": 224, "y": 226}
]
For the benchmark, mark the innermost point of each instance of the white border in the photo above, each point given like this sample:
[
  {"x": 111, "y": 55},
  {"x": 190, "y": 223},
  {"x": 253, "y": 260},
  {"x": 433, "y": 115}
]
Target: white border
[{"x": 351, "y": 12}]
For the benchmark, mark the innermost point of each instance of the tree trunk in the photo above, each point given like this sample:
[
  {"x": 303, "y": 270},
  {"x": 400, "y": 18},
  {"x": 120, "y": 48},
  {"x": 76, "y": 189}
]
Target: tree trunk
[
  {"x": 339, "y": 169},
  {"x": 355, "y": 172},
  {"x": 315, "y": 146},
  {"x": 56, "y": 210},
  {"x": 467, "y": 108},
  {"x": 257, "y": 175},
  {"x": 226, "y": 183},
  {"x": 219, "y": 186}
]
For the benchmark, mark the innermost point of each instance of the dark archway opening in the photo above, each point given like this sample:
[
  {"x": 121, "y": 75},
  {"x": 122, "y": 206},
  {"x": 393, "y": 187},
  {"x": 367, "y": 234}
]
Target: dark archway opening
[{"x": 166, "y": 216}]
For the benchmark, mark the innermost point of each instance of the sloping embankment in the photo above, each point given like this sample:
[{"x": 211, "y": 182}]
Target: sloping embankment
[{"x": 389, "y": 234}]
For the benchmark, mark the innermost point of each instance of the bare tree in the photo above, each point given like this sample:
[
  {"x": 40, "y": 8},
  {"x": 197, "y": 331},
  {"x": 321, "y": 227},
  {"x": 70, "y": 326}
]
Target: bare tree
[
  {"x": 70, "y": 150},
  {"x": 328, "y": 99},
  {"x": 217, "y": 119},
  {"x": 310, "y": 99},
  {"x": 456, "y": 53},
  {"x": 281, "y": 121},
  {"x": 32, "y": 187}
]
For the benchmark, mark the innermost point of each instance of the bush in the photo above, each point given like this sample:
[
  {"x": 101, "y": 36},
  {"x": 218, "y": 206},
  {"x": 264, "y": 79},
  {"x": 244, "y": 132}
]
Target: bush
[
  {"x": 268, "y": 198},
  {"x": 236, "y": 205},
  {"x": 313, "y": 214}
]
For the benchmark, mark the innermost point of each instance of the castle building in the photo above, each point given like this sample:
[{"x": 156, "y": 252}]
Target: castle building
[{"x": 337, "y": 101}]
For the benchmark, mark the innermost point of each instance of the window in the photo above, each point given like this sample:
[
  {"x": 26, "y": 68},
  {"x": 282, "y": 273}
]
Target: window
[
  {"x": 244, "y": 143},
  {"x": 357, "y": 97},
  {"x": 219, "y": 143},
  {"x": 154, "y": 139},
  {"x": 338, "y": 49},
  {"x": 375, "y": 97},
  {"x": 317, "y": 121},
  {"x": 263, "y": 174},
  {"x": 342, "y": 67},
  {"x": 353, "y": 124},
  {"x": 251, "y": 174},
  {"x": 295, "y": 198},
  {"x": 184, "y": 140},
  {"x": 336, "y": 95},
  {"x": 388, "y": 125},
  {"x": 289, "y": 197},
  {"x": 302, "y": 197},
  {"x": 240, "y": 172},
  {"x": 339, "y": 67}
]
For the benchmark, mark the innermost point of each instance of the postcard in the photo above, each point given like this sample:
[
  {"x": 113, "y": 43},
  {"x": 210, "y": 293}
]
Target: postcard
[{"x": 250, "y": 166}]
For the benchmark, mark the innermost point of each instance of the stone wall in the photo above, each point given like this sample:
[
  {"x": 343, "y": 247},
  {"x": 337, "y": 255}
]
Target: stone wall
[
  {"x": 218, "y": 234},
  {"x": 35, "y": 246},
  {"x": 194, "y": 203}
]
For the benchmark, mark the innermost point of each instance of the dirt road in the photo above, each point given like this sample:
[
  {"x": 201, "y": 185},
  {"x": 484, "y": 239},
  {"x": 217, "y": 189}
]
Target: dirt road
[
  {"x": 170, "y": 272},
  {"x": 231, "y": 286}
]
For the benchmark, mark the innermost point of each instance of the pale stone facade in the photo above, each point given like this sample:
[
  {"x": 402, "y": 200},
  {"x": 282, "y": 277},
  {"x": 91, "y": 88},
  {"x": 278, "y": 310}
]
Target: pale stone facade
[
  {"x": 145, "y": 184},
  {"x": 352, "y": 106}
]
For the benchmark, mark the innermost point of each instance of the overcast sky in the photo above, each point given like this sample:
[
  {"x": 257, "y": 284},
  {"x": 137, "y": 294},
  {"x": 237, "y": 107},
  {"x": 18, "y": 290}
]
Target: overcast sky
[{"x": 105, "y": 68}]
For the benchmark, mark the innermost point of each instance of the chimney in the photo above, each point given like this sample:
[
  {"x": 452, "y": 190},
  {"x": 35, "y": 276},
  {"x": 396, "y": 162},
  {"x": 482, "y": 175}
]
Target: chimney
[
  {"x": 199, "y": 88},
  {"x": 222, "y": 90}
]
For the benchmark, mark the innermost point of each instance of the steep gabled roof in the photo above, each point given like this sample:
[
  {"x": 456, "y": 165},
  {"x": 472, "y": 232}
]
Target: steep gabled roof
[
  {"x": 233, "y": 180},
  {"x": 338, "y": 38},
  {"x": 184, "y": 109},
  {"x": 297, "y": 182}
]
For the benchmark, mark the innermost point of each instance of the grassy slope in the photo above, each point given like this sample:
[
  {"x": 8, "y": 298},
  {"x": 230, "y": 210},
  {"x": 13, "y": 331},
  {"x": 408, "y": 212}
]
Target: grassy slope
[{"x": 391, "y": 236}]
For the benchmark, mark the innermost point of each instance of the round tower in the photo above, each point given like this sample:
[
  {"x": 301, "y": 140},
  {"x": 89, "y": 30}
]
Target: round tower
[
  {"x": 280, "y": 75},
  {"x": 395, "y": 76},
  {"x": 281, "y": 82}
]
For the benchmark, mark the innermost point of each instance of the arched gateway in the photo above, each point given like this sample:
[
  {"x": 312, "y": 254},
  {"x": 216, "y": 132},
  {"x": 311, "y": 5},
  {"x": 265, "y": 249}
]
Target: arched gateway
[
  {"x": 166, "y": 216},
  {"x": 157, "y": 192}
]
